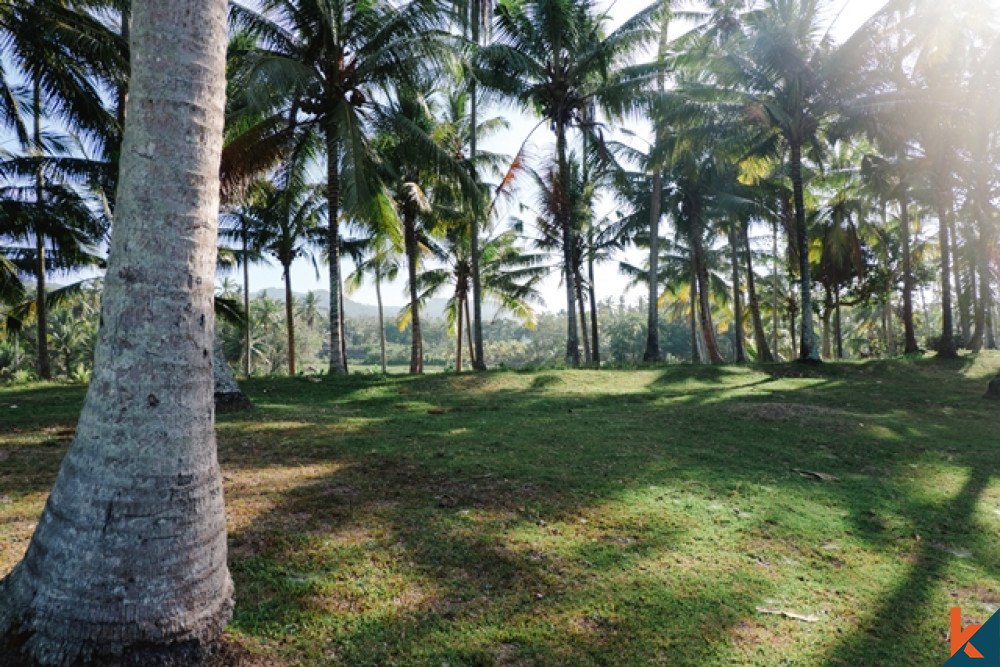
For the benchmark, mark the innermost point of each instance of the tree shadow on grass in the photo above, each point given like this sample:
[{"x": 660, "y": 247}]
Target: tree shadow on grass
[
  {"x": 467, "y": 571},
  {"x": 890, "y": 634}
]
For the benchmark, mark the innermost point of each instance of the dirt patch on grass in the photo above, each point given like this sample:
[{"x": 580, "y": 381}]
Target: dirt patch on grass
[{"x": 231, "y": 653}]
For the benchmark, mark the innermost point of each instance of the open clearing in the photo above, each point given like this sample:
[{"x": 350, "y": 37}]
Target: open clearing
[{"x": 679, "y": 515}]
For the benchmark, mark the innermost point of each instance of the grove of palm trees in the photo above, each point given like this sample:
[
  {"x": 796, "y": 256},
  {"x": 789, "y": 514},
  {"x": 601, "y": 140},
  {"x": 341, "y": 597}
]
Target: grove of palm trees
[{"x": 806, "y": 217}]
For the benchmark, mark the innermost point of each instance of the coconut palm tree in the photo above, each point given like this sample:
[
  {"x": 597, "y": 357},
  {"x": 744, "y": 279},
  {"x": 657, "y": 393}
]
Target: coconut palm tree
[
  {"x": 48, "y": 226},
  {"x": 287, "y": 223},
  {"x": 780, "y": 71},
  {"x": 432, "y": 187},
  {"x": 555, "y": 58},
  {"x": 324, "y": 66},
  {"x": 147, "y": 576},
  {"x": 509, "y": 279},
  {"x": 380, "y": 258}
]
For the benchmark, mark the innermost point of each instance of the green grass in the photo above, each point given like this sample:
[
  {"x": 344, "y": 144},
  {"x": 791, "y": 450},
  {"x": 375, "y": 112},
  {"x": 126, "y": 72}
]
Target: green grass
[{"x": 592, "y": 517}]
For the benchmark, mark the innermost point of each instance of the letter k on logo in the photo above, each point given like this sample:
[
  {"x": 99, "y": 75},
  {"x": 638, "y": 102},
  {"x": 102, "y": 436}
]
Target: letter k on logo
[
  {"x": 958, "y": 637},
  {"x": 976, "y": 644}
]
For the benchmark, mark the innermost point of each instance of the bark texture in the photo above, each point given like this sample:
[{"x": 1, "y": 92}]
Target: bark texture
[{"x": 128, "y": 561}]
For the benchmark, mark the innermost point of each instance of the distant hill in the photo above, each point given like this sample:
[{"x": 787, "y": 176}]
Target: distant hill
[{"x": 433, "y": 310}]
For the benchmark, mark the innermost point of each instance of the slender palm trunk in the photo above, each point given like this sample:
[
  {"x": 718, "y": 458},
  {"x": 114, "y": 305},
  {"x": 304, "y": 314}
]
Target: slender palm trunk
[
  {"x": 734, "y": 246},
  {"x": 909, "y": 332},
  {"x": 808, "y": 351},
  {"x": 946, "y": 346},
  {"x": 128, "y": 561},
  {"x": 962, "y": 299},
  {"x": 468, "y": 328},
  {"x": 478, "y": 359},
  {"x": 985, "y": 304},
  {"x": 652, "y": 352},
  {"x": 705, "y": 310},
  {"x": 826, "y": 344},
  {"x": 41, "y": 307},
  {"x": 289, "y": 319},
  {"x": 458, "y": 324},
  {"x": 891, "y": 344},
  {"x": 792, "y": 316},
  {"x": 381, "y": 322},
  {"x": 584, "y": 333},
  {"x": 566, "y": 228},
  {"x": 695, "y": 356},
  {"x": 246, "y": 306},
  {"x": 416, "y": 339},
  {"x": 760, "y": 337},
  {"x": 338, "y": 363},
  {"x": 775, "y": 313},
  {"x": 838, "y": 332},
  {"x": 595, "y": 350}
]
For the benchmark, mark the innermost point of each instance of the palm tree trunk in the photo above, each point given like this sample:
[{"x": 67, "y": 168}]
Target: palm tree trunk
[
  {"x": 808, "y": 351},
  {"x": 760, "y": 337},
  {"x": 381, "y": 322},
  {"x": 343, "y": 336},
  {"x": 468, "y": 328},
  {"x": 775, "y": 315},
  {"x": 825, "y": 319},
  {"x": 41, "y": 307},
  {"x": 246, "y": 305},
  {"x": 129, "y": 555},
  {"x": 838, "y": 331},
  {"x": 596, "y": 344},
  {"x": 946, "y": 346},
  {"x": 478, "y": 359},
  {"x": 963, "y": 301},
  {"x": 338, "y": 365},
  {"x": 985, "y": 304},
  {"x": 792, "y": 315},
  {"x": 416, "y": 341},
  {"x": 695, "y": 356},
  {"x": 652, "y": 352},
  {"x": 979, "y": 313},
  {"x": 909, "y": 332},
  {"x": 705, "y": 310},
  {"x": 565, "y": 226},
  {"x": 289, "y": 319},
  {"x": 891, "y": 343},
  {"x": 741, "y": 356},
  {"x": 458, "y": 324},
  {"x": 584, "y": 334}
]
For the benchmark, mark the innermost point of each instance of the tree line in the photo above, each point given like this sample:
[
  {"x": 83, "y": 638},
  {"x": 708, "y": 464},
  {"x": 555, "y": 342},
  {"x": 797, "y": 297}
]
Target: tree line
[{"x": 788, "y": 182}]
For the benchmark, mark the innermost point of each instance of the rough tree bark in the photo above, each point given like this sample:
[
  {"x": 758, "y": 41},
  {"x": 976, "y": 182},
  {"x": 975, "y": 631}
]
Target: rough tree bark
[{"x": 128, "y": 562}]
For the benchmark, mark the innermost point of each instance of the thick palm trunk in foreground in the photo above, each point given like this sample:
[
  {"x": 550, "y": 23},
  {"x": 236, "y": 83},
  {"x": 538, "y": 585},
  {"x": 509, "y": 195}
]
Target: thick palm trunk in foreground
[{"x": 128, "y": 562}]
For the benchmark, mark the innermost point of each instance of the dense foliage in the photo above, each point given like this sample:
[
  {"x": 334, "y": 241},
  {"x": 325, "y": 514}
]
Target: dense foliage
[{"x": 788, "y": 196}]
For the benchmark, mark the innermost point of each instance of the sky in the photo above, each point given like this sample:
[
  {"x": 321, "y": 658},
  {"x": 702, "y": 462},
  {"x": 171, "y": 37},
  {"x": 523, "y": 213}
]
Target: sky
[{"x": 847, "y": 16}]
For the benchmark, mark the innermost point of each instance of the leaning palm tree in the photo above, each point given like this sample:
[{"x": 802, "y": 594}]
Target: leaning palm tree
[
  {"x": 134, "y": 531},
  {"x": 324, "y": 66},
  {"x": 555, "y": 58}
]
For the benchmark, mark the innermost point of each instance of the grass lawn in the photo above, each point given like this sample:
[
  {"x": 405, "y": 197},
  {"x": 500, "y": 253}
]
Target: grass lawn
[{"x": 592, "y": 517}]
